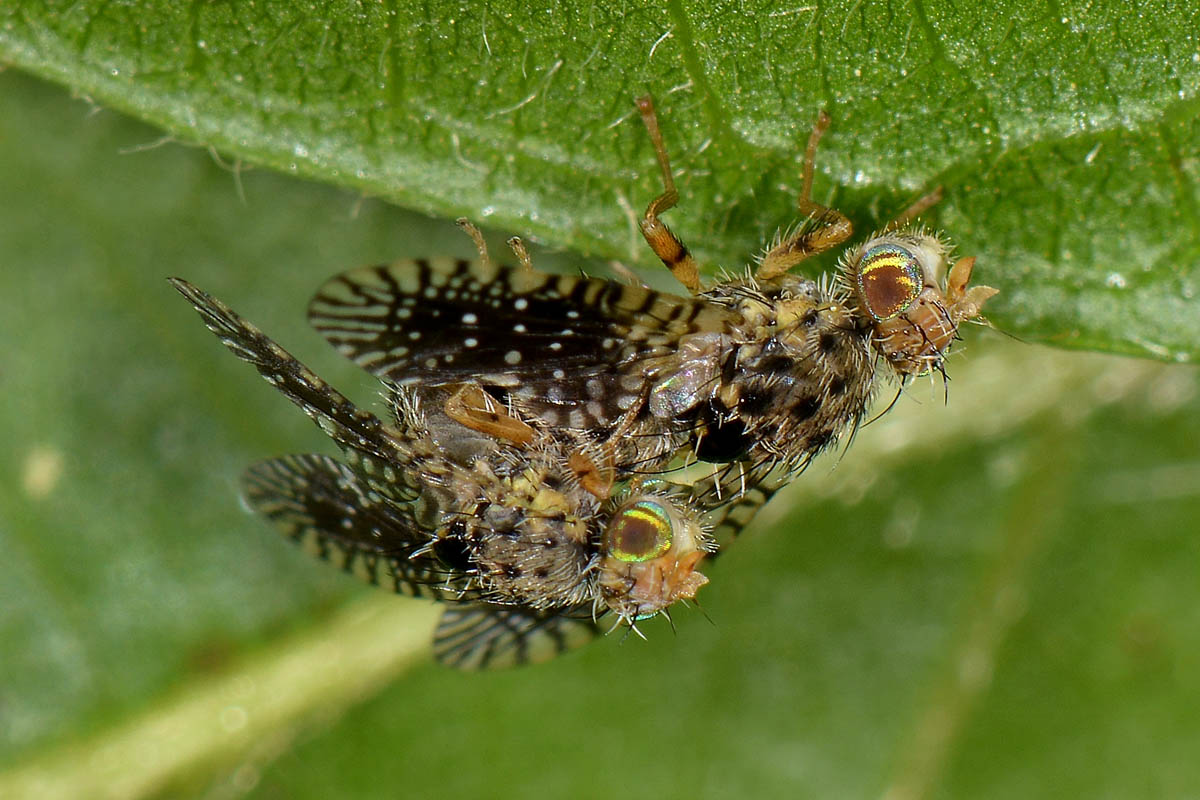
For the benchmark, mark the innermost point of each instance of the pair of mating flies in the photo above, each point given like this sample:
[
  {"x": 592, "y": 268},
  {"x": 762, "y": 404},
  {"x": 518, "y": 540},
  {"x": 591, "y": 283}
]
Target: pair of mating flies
[{"x": 523, "y": 474}]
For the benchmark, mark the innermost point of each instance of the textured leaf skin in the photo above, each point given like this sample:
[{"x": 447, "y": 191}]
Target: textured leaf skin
[
  {"x": 1067, "y": 140},
  {"x": 838, "y": 628}
]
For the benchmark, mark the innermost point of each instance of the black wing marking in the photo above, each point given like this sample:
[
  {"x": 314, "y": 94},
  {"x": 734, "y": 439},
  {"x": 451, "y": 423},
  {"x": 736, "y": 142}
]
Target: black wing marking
[
  {"x": 441, "y": 321},
  {"x": 361, "y": 517},
  {"x": 495, "y": 637},
  {"x": 323, "y": 506},
  {"x": 372, "y": 447}
]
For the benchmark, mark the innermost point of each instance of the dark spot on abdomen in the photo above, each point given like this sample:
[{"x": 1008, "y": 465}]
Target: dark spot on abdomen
[
  {"x": 805, "y": 408},
  {"x": 755, "y": 402},
  {"x": 724, "y": 439},
  {"x": 453, "y": 553},
  {"x": 777, "y": 365}
]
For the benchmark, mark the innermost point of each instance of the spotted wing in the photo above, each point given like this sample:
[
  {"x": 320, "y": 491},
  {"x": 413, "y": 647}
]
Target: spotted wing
[
  {"x": 495, "y": 637},
  {"x": 556, "y": 341},
  {"x": 360, "y": 434},
  {"x": 323, "y": 506}
]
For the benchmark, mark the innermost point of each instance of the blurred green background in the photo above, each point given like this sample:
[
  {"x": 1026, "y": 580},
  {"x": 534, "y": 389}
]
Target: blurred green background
[{"x": 994, "y": 597}]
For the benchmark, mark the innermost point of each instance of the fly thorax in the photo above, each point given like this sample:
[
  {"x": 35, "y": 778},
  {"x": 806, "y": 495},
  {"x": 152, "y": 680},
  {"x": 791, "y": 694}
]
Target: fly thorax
[
  {"x": 531, "y": 490},
  {"x": 500, "y": 519},
  {"x": 483, "y": 471},
  {"x": 799, "y": 372},
  {"x": 796, "y": 390},
  {"x": 529, "y": 553},
  {"x": 757, "y": 312},
  {"x": 551, "y": 501}
]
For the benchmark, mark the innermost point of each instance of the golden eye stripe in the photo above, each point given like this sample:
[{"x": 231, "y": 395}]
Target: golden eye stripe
[
  {"x": 639, "y": 532},
  {"x": 889, "y": 280}
]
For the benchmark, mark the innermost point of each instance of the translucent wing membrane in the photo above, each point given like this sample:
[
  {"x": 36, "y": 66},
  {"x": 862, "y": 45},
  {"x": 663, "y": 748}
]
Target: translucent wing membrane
[
  {"x": 440, "y": 321},
  {"x": 324, "y": 507},
  {"x": 359, "y": 433},
  {"x": 495, "y": 637}
]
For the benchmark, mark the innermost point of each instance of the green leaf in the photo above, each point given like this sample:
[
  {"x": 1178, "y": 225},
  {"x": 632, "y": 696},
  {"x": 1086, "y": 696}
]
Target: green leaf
[
  {"x": 1066, "y": 135},
  {"x": 993, "y": 597}
]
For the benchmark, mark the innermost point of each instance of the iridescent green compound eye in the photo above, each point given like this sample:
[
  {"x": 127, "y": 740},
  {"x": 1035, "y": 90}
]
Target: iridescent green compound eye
[
  {"x": 640, "y": 531},
  {"x": 889, "y": 280}
]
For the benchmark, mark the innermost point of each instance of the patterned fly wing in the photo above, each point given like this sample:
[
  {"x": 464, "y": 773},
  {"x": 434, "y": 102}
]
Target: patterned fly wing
[
  {"x": 557, "y": 341},
  {"x": 323, "y": 506},
  {"x": 516, "y": 536},
  {"x": 496, "y": 637},
  {"x": 371, "y": 447}
]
